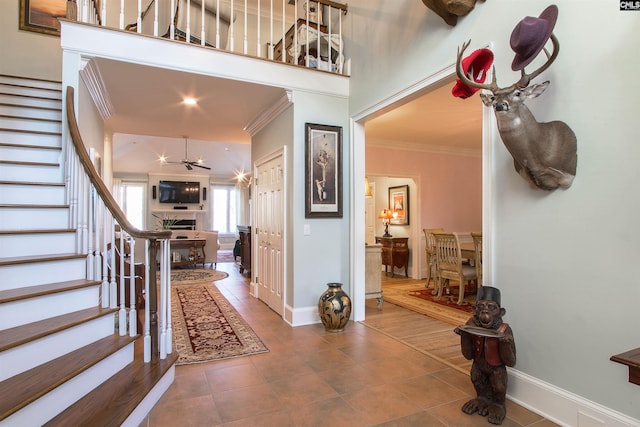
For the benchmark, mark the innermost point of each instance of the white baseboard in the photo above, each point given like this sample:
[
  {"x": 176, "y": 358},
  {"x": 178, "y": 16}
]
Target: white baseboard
[
  {"x": 302, "y": 316},
  {"x": 560, "y": 406}
]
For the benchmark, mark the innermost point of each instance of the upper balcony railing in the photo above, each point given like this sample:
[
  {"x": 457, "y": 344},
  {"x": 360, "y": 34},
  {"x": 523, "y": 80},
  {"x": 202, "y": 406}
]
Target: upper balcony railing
[{"x": 306, "y": 33}]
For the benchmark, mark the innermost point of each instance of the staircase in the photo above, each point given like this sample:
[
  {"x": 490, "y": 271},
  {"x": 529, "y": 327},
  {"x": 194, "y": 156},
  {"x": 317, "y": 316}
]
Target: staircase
[{"x": 62, "y": 360}]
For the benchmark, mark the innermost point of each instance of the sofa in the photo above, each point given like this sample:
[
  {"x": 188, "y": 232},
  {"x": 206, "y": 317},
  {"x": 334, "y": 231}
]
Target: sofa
[{"x": 211, "y": 245}]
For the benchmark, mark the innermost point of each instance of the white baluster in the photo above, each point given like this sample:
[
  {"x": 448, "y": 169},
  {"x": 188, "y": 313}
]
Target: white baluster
[
  {"x": 271, "y": 32},
  {"x": 231, "y": 32},
  {"x": 155, "y": 18},
  {"x": 162, "y": 308},
  {"x": 218, "y": 24},
  {"x": 188, "y": 29},
  {"x": 172, "y": 26},
  {"x": 245, "y": 44},
  {"x": 105, "y": 260},
  {"x": 258, "y": 46},
  {"x": 103, "y": 14},
  {"x": 113, "y": 302},
  {"x": 122, "y": 14},
  {"x": 147, "y": 312},
  {"x": 284, "y": 32},
  {"x": 169, "y": 341},
  {"x": 122, "y": 314},
  {"x": 139, "y": 20},
  {"x": 133, "y": 312},
  {"x": 202, "y": 15}
]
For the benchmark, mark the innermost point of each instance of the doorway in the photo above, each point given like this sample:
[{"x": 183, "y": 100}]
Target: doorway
[{"x": 361, "y": 126}]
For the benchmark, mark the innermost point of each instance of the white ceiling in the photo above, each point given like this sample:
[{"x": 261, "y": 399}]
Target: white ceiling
[{"x": 148, "y": 119}]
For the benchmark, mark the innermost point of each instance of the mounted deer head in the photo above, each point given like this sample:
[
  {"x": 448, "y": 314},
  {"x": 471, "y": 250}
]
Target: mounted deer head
[{"x": 545, "y": 154}]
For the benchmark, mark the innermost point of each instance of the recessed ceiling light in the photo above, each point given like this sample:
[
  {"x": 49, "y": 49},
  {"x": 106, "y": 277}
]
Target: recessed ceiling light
[{"x": 190, "y": 101}]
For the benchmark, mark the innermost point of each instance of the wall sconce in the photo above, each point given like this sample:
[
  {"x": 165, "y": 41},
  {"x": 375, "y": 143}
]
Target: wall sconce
[
  {"x": 367, "y": 188},
  {"x": 386, "y": 215}
]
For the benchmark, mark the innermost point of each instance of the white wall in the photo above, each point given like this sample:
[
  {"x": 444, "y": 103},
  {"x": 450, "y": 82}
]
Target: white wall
[{"x": 562, "y": 259}]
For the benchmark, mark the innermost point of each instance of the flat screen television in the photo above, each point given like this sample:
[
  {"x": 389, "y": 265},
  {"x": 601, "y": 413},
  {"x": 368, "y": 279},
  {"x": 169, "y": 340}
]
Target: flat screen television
[{"x": 178, "y": 192}]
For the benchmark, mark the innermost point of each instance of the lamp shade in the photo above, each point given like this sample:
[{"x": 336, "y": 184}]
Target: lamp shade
[
  {"x": 367, "y": 188},
  {"x": 385, "y": 214}
]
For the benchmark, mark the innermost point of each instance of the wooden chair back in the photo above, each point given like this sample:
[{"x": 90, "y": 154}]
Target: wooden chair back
[
  {"x": 477, "y": 243},
  {"x": 430, "y": 250},
  {"x": 450, "y": 265}
]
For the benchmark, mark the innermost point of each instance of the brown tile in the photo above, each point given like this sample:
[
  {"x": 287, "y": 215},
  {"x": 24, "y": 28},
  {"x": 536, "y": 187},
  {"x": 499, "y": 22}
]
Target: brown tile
[
  {"x": 451, "y": 414},
  {"x": 275, "y": 419},
  {"x": 275, "y": 367},
  {"x": 333, "y": 412},
  {"x": 429, "y": 391},
  {"x": 246, "y": 402},
  {"x": 233, "y": 377},
  {"x": 350, "y": 379},
  {"x": 295, "y": 391},
  {"x": 196, "y": 411},
  {"x": 422, "y": 419},
  {"x": 382, "y": 403}
]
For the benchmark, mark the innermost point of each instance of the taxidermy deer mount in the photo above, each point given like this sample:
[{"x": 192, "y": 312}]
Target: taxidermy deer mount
[
  {"x": 545, "y": 154},
  {"x": 450, "y": 10}
]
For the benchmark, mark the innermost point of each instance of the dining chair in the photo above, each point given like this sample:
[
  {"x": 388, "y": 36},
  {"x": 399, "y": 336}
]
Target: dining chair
[
  {"x": 450, "y": 265},
  {"x": 430, "y": 249},
  {"x": 477, "y": 243}
]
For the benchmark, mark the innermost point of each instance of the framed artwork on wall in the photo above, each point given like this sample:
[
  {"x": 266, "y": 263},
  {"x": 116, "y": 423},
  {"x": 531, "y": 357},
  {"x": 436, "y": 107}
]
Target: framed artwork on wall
[
  {"x": 323, "y": 171},
  {"x": 399, "y": 204},
  {"x": 41, "y": 16}
]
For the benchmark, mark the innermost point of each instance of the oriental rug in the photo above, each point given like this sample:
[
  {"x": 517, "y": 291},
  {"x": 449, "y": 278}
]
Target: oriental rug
[
  {"x": 412, "y": 294},
  {"x": 206, "y": 327},
  {"x": 226, "y": 256},
  {"x": 196, "y": 275}
]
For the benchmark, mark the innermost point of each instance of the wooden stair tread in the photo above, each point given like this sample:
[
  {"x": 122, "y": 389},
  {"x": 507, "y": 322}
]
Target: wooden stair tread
[
  {"x": 46, "y": 184},
  {"x": 34, "y": 132},
  {"x": 34, "y": 119},
  {"x": 19, "y": 335},
  {"x": 23, "y": 206},
  {"x": 17, "y": 162},
  {"x": 22, "y": 389},
  {"x": 37, "y": 147},
  {"x": 37, "y": 231},
  {"x": 10, "y": 295},
  {"x": 33, "y": 107},
  {"x": 39, "y": 258},
  {"x": 114, "y": 400}
]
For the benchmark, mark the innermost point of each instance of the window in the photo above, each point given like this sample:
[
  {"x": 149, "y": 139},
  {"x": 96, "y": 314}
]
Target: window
[
  {"x": 223, "y": 208},
  {"x": 133, "y": 202}
]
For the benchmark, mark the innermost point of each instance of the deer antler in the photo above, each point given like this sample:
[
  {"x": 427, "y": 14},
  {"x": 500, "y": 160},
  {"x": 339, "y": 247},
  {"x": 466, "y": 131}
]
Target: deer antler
[
  {"x": 525, "y": 78},
  {"x": 493, "y": 86}
]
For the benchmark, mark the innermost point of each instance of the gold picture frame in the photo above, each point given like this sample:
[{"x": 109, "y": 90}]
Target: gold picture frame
[{"x": 41, "y": 16}]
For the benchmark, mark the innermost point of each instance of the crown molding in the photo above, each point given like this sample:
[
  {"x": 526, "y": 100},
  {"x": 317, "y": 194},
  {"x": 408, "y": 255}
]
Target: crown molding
[
  {"x": 92, "y": 78},
  {"x": 259, "y": 122},
  {"x": 426, "y": 148}
]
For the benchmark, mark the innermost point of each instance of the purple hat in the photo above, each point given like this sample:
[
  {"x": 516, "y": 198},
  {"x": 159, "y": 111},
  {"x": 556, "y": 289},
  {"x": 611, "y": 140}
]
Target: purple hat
[{"x": 530, "y": 35}]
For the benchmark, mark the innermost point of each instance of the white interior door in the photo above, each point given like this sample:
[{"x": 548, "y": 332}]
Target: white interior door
[{"x": 269, "y": 224}]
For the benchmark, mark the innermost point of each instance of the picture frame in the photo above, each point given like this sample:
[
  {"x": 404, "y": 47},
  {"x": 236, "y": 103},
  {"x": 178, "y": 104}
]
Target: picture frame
[
  {"x": 41, "y": 16},
  {"x": 399, "y": 204},
  {"x": 323, "y": 171}
]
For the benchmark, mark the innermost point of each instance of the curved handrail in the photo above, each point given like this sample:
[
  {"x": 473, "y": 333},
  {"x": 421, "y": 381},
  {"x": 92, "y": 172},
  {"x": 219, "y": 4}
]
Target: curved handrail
[{"x": 97, "y": 182}]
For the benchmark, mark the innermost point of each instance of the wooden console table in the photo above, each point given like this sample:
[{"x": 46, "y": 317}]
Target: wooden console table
[
  {"x": 395, "y": 253},
  {"x": 195, "y": 246}
]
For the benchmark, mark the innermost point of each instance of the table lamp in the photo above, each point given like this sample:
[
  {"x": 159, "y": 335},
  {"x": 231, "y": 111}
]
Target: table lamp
[{"x": 386, "y": 215}]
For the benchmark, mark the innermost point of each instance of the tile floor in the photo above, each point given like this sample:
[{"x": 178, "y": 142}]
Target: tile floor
[{"x": 363, "y": 376}]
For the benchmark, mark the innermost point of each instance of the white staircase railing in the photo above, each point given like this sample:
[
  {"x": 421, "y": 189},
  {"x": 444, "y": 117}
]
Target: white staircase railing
[
  {"x": 108, "y": 240},
  {"x": 307, "y": 33}
]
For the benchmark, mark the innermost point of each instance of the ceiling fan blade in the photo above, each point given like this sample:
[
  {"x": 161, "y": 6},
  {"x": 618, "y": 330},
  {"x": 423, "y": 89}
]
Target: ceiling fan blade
[
  {"x": 188, "y": 166},
  {"x": 201, "y": 166}
]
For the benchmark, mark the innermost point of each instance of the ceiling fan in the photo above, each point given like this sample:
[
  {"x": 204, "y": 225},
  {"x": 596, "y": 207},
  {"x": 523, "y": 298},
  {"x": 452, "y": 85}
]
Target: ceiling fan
[{"x": 189, "y": 164}]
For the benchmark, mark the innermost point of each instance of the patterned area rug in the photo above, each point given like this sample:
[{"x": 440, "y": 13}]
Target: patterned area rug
[
  {"x": 196, "y": 275},
  {"x": 206, "y": 327},
  {"x": 226, "y": 256},
  {"x": 405, "y": 295}
]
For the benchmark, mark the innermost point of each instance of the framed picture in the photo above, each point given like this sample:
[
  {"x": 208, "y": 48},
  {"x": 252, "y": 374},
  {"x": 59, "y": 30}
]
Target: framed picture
[
  {"x": 42, "y": 16},
  {"x": 323, "y": 171},
  {"x": 399, "y": 204}
]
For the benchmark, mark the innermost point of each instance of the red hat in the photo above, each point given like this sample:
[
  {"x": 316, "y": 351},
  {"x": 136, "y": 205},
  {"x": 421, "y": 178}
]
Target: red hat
[
  {"x": 478, "y": 62},
  {"x": 530, "y": 35}
]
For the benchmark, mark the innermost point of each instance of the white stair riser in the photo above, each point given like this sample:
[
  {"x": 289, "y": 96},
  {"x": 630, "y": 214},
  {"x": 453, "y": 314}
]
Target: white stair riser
[
  {"x": 30, "y": 310},
  {"x": 53, "y": 403},
  {"x": 34, "y": 353},
  {"x": 9, "y": 137},
  {"x": 32, "y": 274},
  {"x": 19, "y": 172},
  {"x": 29, "y": 154},
  {"x": 25, "y": 194},
  {"x": 33, "y": 219},
  {"x": 16, "y": 80},
  {"x": 30, "y": 125},
  {"x": 37, "y": 244},
  {"x": 31, "y": 91},
  {"x": 31, "y": 102},
  {"x": 33, "y": 113}
]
